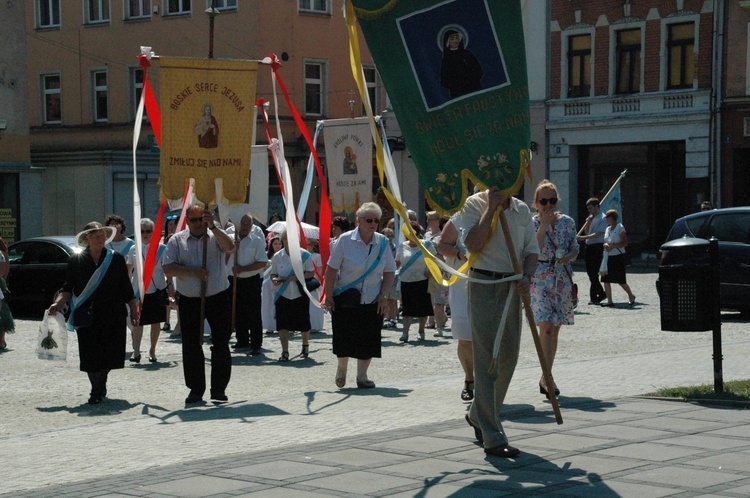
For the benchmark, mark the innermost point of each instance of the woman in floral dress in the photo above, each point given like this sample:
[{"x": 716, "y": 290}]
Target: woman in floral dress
[{"x": 552, "y": 285}]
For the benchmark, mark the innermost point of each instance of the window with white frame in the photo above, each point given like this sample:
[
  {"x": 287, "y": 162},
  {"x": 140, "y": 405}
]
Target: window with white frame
[
  {"x": 175, "y": 7},
  {"x": 316, "y": 6},
  {"x": 137, "y": 9},
  {"x": 51, "y": 96},
  {"x": 136, "y": 87},
  {"x": 100, "y": 95},
  {"x": 628, "y": 50},
  {"x": 48, "y": 13},
  {"x": 222, "y": 4},
  {"x": 315, "y": 90},
  {"x": 579, "y": 66},
  {"x": 681, "y": 55},
  {"x": 97, "y": 11},
  {"x": 371, "y": 80}
]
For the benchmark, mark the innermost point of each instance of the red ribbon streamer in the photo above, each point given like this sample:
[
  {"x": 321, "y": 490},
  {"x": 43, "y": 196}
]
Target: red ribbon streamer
[
  {"x": 324, "y": 221},
  {"x": 152, "y": 108},
  {"x": 153, "y": 247}
]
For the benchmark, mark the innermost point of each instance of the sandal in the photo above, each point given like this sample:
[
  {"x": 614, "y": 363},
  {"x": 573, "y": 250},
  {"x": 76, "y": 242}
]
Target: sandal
[
  {"x": 284, "y": 357},
  {"x": 305, "y": 351},
  {"x": 340, "y": 378},
  {"x": 468, "y": 393}
]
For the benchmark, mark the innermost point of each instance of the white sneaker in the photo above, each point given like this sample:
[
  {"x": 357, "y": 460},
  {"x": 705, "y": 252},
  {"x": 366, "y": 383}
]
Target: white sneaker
[
  {"x": 439, "y": 333},
  {"x": 421, "y": 336}
]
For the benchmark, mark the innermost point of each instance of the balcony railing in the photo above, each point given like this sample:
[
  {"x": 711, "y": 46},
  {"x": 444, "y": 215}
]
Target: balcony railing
[{"x": 631, "y": 106}]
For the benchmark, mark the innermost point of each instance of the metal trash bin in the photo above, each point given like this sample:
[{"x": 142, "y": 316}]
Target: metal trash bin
[
  {"x": 687, "y": 293},
  {"x": 686, "y": 300}
]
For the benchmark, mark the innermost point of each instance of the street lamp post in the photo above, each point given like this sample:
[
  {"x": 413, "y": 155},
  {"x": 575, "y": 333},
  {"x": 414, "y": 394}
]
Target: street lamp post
[{"x": 211, "y": 11}]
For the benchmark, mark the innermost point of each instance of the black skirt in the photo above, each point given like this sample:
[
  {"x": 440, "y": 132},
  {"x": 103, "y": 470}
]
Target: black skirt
[
  {"x": 293, "y": 314},
  {"x": 102, "y": 345},
  {"x": 415, "y": 300},
  {"x": 615, "y": 270},
  {"x": 356, "y": 331},
  {"x": 152, "y": 311}
]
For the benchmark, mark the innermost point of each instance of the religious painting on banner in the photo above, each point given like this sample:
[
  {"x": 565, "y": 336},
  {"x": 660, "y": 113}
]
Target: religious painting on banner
[
  {"x": 207, "y": 125},
  {"x": 348, "y": 145},
  {"x": 455, "y": 72}
]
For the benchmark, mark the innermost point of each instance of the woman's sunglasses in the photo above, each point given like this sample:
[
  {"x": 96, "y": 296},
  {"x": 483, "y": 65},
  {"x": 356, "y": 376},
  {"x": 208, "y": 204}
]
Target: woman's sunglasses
[
  {"x": 551, "y": 200},
  {"x": 372, "y": 220}
]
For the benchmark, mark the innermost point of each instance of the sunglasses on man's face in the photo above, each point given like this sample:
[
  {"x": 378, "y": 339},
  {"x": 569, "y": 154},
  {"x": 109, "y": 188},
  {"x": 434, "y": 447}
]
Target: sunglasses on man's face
[
  {"x": 551, "y": 200},
  {"x": 195, "y": 220},
  {"x": 371, "y": 220}
]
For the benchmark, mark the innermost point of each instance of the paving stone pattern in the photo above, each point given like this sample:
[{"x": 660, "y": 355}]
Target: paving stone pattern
[{"x": 288, "y": 431}]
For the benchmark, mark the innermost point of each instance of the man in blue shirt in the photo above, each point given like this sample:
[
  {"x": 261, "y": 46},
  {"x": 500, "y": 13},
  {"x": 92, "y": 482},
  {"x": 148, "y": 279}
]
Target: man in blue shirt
[{"x": 594, "y": 228}]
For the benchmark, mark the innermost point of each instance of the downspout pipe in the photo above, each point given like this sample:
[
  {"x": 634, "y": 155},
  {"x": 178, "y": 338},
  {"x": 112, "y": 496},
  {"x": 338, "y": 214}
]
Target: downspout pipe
[{"x": 716, "y": 102}]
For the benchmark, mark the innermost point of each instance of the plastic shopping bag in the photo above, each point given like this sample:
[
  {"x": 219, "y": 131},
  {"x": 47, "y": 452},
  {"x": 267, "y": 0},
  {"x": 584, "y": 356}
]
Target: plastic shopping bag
[{"x": 52, "y": 340}]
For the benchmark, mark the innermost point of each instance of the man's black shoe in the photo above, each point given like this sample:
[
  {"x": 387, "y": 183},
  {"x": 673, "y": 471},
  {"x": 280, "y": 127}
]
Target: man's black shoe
[
  {"x": 254, "y": 352},
  {"x": 237, "y": 347},
  {"x": 219, "y": 397},
  {"x": 193, "y": 398}
]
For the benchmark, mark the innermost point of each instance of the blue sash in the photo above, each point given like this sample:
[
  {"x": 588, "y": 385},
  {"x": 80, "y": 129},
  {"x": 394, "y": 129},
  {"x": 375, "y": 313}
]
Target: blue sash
[
  {"x": 285, "y": 284},
  {"x": 383, "y": 246},
  {"x": 91, "y": 286},
  {"x": 414, "y": 257}
]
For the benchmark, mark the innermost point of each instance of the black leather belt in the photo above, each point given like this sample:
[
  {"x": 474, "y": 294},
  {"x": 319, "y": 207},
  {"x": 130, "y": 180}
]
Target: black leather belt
[{"x": 493, "y": 274}]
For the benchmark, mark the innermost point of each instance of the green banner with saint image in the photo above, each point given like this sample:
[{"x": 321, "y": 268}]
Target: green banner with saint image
[{"x": 455, "y": 72}]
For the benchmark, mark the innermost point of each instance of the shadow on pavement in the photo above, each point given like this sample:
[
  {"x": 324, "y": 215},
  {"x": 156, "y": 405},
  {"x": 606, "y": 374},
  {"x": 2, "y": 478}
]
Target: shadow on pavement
[
  {"x": 521, "y": 475},
  {"x": 107, "y": 407},
  {"x": 237, "y": 410}
]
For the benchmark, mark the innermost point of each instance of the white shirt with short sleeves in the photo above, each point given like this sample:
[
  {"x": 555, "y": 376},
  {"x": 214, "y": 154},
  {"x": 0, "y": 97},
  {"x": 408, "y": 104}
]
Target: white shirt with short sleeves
[
  {"x": 350, "y": 254},
  {"x": 494, "y": 255}
]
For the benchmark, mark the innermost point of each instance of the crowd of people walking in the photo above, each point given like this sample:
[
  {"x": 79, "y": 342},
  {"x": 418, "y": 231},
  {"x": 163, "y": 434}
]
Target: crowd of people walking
[{"x": 223, "y": 279}]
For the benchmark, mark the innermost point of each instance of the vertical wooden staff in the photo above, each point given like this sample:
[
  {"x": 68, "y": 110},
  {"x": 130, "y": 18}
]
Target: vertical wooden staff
[
  {"x": 548, "y": 380},
  {"x": 234, "y": 278},
  {"x": 204, "y": 284}
]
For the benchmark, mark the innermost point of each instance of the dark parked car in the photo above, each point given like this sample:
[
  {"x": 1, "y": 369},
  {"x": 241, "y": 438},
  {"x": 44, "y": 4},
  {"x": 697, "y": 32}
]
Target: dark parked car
[
  {"x": 37, "y": 270},
  {"x": 731, "y": 226}
]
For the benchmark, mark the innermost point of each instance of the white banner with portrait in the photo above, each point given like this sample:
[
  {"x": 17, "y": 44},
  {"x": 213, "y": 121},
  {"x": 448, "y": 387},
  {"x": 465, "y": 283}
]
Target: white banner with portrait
[{"x": 348, "y": 145}]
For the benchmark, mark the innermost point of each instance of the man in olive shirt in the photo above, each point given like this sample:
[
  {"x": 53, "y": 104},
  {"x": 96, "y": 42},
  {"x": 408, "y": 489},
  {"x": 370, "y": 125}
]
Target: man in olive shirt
[{"x": 486, "y": 303}]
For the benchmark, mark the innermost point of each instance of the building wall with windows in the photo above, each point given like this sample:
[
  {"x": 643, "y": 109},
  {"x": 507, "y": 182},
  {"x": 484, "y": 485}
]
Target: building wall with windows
[
  {"x": 734, "y": 132},
  {"x": 20, "y": 184},
  {"x": 630, "y": 87},
  {"x": 84, "y": 82}
]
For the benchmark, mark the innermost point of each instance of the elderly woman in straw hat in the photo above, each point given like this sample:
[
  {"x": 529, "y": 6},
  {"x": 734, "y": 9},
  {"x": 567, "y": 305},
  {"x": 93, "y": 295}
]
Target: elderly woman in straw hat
[{"x": 97, "y": 286}]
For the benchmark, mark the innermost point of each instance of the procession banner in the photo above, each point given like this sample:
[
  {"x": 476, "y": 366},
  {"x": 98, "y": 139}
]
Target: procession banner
[
  {"x": 259, "y": 183},
  {"x": 348, "y": 146},
  {"x": 207, "y": 125},
  {"x": 455, "y": 72},
  {"x": 613, "y": 201}
]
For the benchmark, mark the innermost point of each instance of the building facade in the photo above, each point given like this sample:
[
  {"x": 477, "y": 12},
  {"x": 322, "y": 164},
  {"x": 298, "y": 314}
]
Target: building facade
[
  {"x": 734, "y": 132},
  {"x": 85, "y": 82},
  {"x": 631, "y": 88},
  {"x": 19, "y": 182}
]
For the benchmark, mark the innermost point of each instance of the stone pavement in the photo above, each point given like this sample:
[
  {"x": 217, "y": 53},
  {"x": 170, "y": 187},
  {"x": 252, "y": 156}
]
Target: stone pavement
[
  {"x": 287, "y": 430},
  {"x": 616, "y": 447}
]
